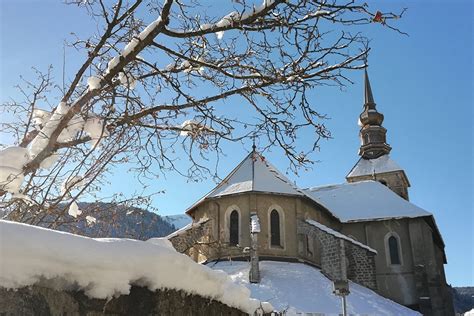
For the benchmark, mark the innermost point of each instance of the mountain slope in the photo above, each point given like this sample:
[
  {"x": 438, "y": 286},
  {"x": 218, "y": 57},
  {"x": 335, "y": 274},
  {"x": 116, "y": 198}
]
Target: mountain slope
[
  {"x": 463, "y": 298},
  {"x": 178, "y": 221},
  {"x": 116, "y": 221}
]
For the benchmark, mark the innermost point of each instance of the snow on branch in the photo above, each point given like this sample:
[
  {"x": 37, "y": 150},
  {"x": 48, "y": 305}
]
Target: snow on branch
[{"x": 186, "y": 94}]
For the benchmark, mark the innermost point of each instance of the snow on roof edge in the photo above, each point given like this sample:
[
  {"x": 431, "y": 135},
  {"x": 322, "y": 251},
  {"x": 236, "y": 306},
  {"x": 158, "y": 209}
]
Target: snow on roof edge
[
  {"x": 283, "y": 178},
  {"x": 217, "y": 186},
  {"x": 383, "y": 164},
  {"x": 339, "y": 235}
]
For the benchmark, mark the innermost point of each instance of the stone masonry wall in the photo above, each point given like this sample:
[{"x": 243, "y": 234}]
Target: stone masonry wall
[
  {"x": 361, "y": 265},
  {"x": 41, "y": 301},
  {"x": 341, "y": 259},
  {"x": 185, "y": 240}
]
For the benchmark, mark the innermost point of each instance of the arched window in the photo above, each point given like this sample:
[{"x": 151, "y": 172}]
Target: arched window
[
  {"x": 275, "y": 228},
  {"x": 393, "y": 250},
  {"x": 234, "y": 228},
  {"x": 383, "y": 182}
]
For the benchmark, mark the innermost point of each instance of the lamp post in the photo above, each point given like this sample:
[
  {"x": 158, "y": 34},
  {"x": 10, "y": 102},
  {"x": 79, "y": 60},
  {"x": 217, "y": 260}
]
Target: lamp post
[{"x": 341, "y": 288}]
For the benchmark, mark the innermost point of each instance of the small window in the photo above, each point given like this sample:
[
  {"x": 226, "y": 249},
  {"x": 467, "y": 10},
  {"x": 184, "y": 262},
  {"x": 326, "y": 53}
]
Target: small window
[
  {"x": 275, "y": 228},
  {"x": 234, "y": 228},
  {"x": 394, "y": 250},
  {"x": 383, "y": 182}
]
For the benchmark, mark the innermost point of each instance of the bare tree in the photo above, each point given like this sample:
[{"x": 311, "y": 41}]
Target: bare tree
[{"x": 163, "y": 91}]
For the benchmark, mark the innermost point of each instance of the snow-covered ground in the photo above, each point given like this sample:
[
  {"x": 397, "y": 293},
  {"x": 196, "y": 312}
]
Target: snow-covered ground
[
  {"x": 107, "y": 267},
  {"x": 299, "y": 288},
  {"x": 179, "y": 220}
]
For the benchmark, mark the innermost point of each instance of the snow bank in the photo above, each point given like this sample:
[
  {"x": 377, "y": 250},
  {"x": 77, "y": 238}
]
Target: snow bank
[
  {"x": 303, "y": 289},
  {"x": 107, "y": 267}
]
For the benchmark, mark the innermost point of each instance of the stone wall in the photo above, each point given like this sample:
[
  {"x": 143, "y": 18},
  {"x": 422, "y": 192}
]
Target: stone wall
[
  {"x": 340, "y": 258},
  {"x": 41, "y": 301},
  {"x": 186, "y": 239},
  {"x": 361, "y": 265}
]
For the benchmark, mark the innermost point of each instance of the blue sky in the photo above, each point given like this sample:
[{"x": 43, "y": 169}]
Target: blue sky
[{"x": 422, "y": 84}]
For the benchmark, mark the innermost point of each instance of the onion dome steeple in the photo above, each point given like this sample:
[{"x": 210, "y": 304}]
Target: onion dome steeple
[{"x": 372, "y": 133}]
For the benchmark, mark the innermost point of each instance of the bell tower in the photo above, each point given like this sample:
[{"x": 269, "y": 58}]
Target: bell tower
[
  {"x": 375, "y": 163},
  {"x": 372, "y": 134}
]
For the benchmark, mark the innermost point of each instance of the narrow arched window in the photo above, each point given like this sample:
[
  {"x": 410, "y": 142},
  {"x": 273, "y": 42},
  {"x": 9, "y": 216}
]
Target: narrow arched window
[
  {"x": 394, "y": 250},
  {"x": 275, "y": 228},
  {"x": 234, "y": 228}
]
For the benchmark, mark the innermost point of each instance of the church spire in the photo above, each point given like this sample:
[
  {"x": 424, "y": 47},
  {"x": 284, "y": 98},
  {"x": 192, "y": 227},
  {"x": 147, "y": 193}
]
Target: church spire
[
  {"x": 372, "y": 133},
  {"x": 369, "y": 98}
]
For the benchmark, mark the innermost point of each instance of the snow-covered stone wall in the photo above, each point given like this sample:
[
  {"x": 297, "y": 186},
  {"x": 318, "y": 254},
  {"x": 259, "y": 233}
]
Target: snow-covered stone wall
[
  {"x": 107, "y": 268},
  {"x": 341, "y": 257},
  {"x": 185, "y": 238}
]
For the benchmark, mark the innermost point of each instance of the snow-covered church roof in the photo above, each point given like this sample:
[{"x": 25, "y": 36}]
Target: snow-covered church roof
[
  {"x": 363, "y": 201},
  {"x": 256, "y": 174},
  {"x": 366, "y": 167},
  {"x": 349, "y": 202},
  {"x": 253, "y": 174}
]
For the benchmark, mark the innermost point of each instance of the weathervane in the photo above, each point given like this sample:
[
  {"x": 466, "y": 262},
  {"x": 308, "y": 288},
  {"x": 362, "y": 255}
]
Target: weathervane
[{"x": 254, "y": 147}]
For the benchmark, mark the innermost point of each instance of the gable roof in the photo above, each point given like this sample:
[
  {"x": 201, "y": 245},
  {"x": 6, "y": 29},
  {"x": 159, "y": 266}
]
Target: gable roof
[
  {"x": 364, "y": 201},
  {"x": 253, "y": 174},
  {"x": 366, "y": 167}
]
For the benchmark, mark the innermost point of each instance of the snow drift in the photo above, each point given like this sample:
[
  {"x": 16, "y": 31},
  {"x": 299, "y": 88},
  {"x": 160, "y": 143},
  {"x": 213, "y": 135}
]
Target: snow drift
[
  {"x": 107, "y": 267},
  {"x": 302, "y": 290}
]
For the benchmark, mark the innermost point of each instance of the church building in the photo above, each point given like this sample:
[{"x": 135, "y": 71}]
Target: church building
[{"x": 365, "y": 230}]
